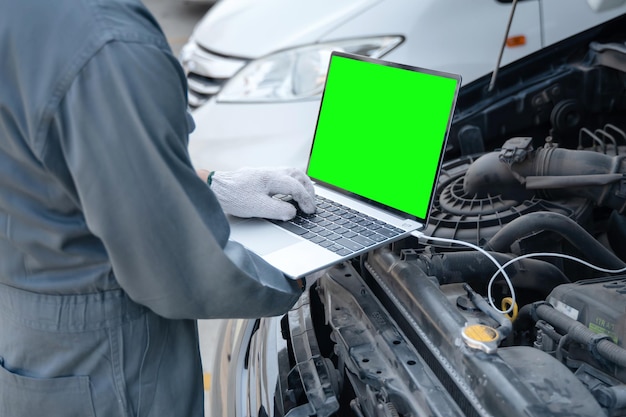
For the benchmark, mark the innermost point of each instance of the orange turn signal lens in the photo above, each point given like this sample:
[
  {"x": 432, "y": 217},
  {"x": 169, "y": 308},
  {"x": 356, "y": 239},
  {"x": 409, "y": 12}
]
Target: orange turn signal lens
[{"x": 513, "y": 41}]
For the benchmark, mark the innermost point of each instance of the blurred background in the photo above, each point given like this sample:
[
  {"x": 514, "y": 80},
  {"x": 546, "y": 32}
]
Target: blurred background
[{"x": 177, "y": 18}]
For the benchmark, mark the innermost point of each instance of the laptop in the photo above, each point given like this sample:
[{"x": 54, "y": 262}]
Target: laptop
[{"x": 377, "y": 150}]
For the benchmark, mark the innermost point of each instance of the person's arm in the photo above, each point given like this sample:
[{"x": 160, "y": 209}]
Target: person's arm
[
  {"x": 123, "y": 132},
  {"x": 204, "y": 174}
]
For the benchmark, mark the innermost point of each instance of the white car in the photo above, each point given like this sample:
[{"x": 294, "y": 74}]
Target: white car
[{"x": 256, "y": 69}]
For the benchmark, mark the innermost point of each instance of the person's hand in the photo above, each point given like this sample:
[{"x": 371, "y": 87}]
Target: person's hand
[{"x": 248, "y": 192}]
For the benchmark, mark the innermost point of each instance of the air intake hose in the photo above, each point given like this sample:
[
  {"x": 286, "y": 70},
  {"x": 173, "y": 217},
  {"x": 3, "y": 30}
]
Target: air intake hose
[
  {"x": 475, "y": 268},
  {"x": 551, "y": 173},
  {"x": 567, "y": 228}
]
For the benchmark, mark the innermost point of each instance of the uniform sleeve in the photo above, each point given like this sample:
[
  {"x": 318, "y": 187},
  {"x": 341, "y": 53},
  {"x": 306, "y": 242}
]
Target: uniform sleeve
[{"x": 124, "y": 137}]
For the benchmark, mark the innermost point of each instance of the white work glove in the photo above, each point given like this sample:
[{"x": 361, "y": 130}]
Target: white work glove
[{"x": 248, "y": 192}]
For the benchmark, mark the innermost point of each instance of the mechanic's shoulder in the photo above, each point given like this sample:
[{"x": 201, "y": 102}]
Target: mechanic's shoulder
[
  {"x": 126, "y": 21},
  {"x": 83, "y": 30}
]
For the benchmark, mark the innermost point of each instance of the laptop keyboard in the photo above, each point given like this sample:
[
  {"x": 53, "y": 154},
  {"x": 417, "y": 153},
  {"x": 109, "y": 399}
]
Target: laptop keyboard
[{"x": 338, "y": 228}]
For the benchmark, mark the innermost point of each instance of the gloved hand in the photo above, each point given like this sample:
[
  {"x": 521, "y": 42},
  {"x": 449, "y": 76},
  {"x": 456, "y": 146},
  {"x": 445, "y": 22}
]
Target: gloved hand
[{"x": 248, "y": 192}]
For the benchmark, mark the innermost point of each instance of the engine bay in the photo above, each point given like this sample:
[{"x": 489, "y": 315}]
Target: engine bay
[{"x": 513, "y": 300}]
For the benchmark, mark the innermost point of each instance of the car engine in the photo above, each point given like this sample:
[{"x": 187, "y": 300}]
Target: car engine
[{"x": 513, "y": 301}]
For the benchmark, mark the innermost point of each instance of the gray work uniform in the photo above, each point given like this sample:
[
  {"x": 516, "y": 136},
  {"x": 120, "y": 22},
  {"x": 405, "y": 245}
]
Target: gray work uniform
[{"x": 110, "y": 245}]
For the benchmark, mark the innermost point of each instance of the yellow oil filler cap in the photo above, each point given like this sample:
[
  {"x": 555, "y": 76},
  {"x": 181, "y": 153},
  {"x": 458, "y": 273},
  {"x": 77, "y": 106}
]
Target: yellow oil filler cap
[{"x": 481, "y": 337}]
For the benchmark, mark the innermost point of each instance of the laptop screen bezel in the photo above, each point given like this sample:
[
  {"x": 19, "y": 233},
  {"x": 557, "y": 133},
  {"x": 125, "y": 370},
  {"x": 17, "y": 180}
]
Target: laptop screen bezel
[{"x": 455, "y": 77}]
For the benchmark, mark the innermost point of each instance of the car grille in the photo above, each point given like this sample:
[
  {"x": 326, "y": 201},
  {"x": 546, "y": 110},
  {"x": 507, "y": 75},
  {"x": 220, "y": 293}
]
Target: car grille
[{"x": 207, "y": 72}]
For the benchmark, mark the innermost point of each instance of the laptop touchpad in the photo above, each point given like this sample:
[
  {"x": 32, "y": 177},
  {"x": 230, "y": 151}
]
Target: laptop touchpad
[{"x": 261, "y": 236}]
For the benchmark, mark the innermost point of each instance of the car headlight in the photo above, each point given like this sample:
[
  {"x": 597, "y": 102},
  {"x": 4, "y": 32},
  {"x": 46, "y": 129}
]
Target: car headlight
[{"x": 298, "y": 73}]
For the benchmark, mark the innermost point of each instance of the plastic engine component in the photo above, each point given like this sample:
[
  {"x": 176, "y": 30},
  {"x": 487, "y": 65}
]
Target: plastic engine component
[{"x": 600, "y": 304}]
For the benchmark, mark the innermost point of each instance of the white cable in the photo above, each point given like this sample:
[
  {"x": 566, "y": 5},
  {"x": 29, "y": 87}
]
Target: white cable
[
  {"x": 511, "y": 261},
  {"x": 491, "y": 258},
  {"x": 558, "y": 255}
]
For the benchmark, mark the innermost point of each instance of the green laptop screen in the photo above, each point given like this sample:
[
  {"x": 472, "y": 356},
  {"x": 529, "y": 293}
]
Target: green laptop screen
[{"x": 381, "y": 131}]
